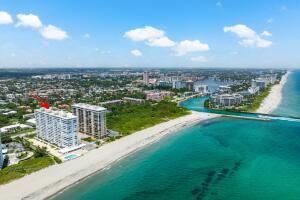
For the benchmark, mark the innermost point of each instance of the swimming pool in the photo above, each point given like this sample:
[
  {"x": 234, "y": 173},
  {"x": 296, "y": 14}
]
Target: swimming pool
[{"x": 70, "y": 157}]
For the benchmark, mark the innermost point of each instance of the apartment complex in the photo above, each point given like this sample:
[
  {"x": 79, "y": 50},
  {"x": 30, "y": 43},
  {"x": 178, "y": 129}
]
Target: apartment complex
[
  {"x": 56, "y": 127},
  {"x": 146, "y": 77},
  {"x": 158, "y": 96},
  {"x": 203, "y": 89},
  {"x": 91, "y": 119},
  {"x": 226, "y": 100}
]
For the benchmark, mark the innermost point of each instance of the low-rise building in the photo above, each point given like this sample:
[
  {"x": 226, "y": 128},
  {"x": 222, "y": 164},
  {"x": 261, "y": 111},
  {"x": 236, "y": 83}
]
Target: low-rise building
[
  {"x": 158, "y": 96},
  {"x": 112, "y": 102},
  {"x": 226, "y": 100},
  {"x": 14, "y": 127},
  {"x": 133, "y": 100}
]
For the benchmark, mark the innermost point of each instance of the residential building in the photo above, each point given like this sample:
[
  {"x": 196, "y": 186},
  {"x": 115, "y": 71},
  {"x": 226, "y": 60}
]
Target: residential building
[
  {"x": 133, "y": 100},
  {"x": 178, "y": 84},
  {"x": 203, "y": 89},
  {"x": 224, "y": 89},
  {"x": 91, "y": 119},
  {"x": 260, "y": 83},
  {"x": 112, "y": 102},
  {"x": 146, "y": 77},
  {"x": 190, "y": 85},
  {"x": 226, "y": 100},
  {"x": 158, "y": 96},
  {"x": 57, "y": 127},
  {"x": 253, "y": 90}
]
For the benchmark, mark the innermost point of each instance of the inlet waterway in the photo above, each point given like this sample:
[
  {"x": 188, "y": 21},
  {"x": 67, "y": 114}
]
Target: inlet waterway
[{"x": 220, "y": 159}]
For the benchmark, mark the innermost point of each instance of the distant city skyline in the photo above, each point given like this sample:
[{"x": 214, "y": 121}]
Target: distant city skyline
[{"x": 149, "y": 34}]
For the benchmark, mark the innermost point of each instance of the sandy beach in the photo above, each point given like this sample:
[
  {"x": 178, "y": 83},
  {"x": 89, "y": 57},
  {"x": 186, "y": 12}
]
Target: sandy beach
[
  {"x": 49, "y": 181},
  {"x": 272, "y": 101}
]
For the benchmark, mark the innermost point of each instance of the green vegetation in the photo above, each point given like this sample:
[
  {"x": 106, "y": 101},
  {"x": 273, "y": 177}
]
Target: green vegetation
[
  {"x": 40, "y": 152},
  {"x": 23, "y": 155},
  {"x": 23, "y": 168},
  {"x": 257, "y": 100},
  {"x": 127, "y": 119},
  {"x": 57, "y": 160},
  {"x": 89, "y": 139}
]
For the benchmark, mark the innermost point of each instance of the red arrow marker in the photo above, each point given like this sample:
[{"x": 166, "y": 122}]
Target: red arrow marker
[{"x": 43, "y": 103}]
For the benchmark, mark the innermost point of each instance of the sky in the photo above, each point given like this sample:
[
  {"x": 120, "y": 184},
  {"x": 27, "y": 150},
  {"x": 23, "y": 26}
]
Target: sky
[{"x": 149, "y": 33}]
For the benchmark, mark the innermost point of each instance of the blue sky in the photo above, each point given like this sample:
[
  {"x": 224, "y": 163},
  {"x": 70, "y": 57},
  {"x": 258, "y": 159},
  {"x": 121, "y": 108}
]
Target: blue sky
[{"x": 135, "y": 33}]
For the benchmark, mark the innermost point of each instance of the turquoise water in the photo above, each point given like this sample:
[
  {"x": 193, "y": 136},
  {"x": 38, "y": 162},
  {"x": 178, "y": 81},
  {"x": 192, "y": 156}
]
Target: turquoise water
[
  {"x": 290, "y": 104},
  {"x": 71, "y": 156},
  {"x": 220, "y": 159}
]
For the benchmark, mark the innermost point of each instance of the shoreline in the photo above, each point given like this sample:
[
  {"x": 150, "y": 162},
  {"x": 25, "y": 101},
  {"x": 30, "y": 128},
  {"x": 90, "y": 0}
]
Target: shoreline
[
  {"x": 48, "y": 182},
  {"x": 273, "y": 100}
]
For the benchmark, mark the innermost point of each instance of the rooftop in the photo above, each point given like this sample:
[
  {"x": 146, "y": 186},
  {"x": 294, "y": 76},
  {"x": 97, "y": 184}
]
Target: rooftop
[
  {"x": 89, "y": 107},
  {"x": 57, "y": 113}
]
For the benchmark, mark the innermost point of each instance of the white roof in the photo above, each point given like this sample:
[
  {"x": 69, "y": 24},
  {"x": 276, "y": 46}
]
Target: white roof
[
  {"x": 89, "y": 107},
  {"x": 57, "y": 113}
]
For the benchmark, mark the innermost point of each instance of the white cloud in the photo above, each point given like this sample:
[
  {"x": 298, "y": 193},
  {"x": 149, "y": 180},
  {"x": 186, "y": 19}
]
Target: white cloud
[
  {"x": 199, "y": 59},
  {"x": 219, "y": 4},
  {"x": 29, "y": 20},
  {"x": 266, "y": 33},
  {"x": 249, "y": 38},
  {"x": 146, "y": 33},
  {"x": 188, "y": 46},
  {"x": 154, "y": 37},
  {"x": 53, "y": 33},
  {"x": 136, "y": 52},
  {"x": 157, "y": 38},
  {"x": 161, "y": 42},
  {"x": 5, "y": 18}
]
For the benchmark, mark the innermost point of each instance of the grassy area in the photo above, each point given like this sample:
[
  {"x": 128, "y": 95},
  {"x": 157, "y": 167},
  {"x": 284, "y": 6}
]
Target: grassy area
[
  {"x": 257, "y": 100},
  {"x": 89, "y": 139},
  {"x": 127, "y": 119},
  {"x": 23, "y": 168}
]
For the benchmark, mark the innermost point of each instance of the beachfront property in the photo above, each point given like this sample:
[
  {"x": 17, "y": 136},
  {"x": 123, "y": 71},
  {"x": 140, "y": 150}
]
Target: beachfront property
[
  {"x": 263, "y": 81},
  {"x": 91, "y": 119},
  {"x": 202, "y": 89},
  {"x": 226, "y": 100},
  {"x": 57, "y": 127},
  {"x": 253, "y": 90},
  {"x": 158, "y": 96}
]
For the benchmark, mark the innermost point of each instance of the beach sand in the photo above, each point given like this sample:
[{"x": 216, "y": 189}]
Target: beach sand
[
  {"x": 272, "y": 101},
  {"x": 49, "y": 181}
]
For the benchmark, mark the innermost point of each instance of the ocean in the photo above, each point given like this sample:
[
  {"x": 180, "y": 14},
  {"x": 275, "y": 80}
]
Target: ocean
[{"x": 220, "y": 159}]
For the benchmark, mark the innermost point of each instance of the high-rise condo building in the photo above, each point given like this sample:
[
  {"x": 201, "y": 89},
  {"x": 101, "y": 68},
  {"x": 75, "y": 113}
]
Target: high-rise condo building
[
  {"x": 57, "y": 127},
  {"x": 146, "y": 77},
  {"x": 91, "y": 119}
]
